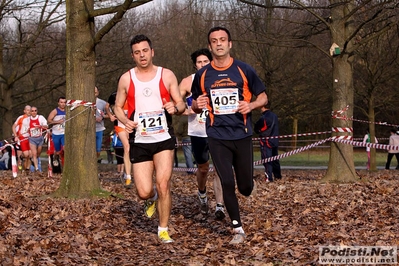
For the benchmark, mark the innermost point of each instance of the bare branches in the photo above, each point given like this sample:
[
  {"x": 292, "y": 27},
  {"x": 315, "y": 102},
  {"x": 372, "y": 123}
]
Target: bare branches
[
  {"x": 311, "y": 11},
  {"x": 120, "y": 11},
  {"x": 128, "y": 4}
]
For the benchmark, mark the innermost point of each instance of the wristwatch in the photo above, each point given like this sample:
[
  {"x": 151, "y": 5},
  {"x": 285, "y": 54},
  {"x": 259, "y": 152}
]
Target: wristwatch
[{"x": 177, "y": 110}]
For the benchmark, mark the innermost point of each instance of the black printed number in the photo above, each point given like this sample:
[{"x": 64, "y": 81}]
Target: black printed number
[
  {"x": 152, "y": 122},
  {"x": 204, "y": 114},
  {"x": 224, "y": 100}
]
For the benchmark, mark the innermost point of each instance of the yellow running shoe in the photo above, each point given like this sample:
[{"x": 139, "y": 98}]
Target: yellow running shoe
[
  {"x": 128, "y": 183},
  {"x": 150, "y": 208},
  {"x": 164, "y": 237}
]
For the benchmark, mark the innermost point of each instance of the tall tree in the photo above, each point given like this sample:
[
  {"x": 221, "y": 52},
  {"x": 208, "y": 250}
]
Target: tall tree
[{"x": 80, "y": 177}]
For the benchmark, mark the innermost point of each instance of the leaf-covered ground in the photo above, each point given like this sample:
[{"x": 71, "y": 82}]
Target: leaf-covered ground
[{"x": 285, "y": 222}]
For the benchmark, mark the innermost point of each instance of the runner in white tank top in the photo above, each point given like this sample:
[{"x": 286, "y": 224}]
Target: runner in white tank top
[
  {"x": 152, "y": 95},
  {"x": 149, "y": 112}
]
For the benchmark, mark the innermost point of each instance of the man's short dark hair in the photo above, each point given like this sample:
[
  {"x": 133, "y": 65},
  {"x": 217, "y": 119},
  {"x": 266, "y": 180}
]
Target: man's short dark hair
[
  {"x": 199, "y": 52},
  {"x": 140, "y": 38},
  {"x": 61, "y": 98},
  {"x": 217, "y": 29}
]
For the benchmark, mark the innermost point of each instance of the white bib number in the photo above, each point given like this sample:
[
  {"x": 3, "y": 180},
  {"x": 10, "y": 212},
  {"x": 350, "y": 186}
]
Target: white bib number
[
  {"x": 35, "y": 132},
  {"x": 224, "y": 101},
  {"x": 201, "y": 117},
  {"x": 151, "y": 123}
]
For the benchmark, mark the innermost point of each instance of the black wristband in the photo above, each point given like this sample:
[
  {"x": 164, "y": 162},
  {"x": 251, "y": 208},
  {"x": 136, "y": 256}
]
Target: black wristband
[{"x": 177, "y": 110}]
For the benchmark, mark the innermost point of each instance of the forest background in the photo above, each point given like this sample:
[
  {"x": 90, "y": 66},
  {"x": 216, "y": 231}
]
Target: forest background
[
  {"x": 288, "y": 42},
  {"x": 290, "y": 56}
]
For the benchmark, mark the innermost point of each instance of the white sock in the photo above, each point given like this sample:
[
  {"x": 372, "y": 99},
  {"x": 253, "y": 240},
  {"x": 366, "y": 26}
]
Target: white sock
[
  {"x": 128, "y": 176},
  {"x": 162, "y": 229},
  {"x": 239, "y": 230}
]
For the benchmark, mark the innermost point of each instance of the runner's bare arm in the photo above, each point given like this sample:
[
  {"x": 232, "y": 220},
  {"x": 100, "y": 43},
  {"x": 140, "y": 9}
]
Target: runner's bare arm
[
  {"x": 177, "y": 106},
  {"x": 185, "y": 90},
  {"x": 108, "y": 111},
  {"x": 121, "y": 96},
  {"x": 51, "y": 116}
]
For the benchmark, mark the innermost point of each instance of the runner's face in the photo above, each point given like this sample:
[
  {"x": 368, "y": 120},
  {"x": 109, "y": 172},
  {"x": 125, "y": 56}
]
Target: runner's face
[
  {"x": 34, "y": 112},
  {"x": 142, "y": 54},
  {"x": 219, "y": 43},
  {"x": 62, "y": 103},
  {"x": 27, "y": 111},
  {"x": 202, "y": 61}
]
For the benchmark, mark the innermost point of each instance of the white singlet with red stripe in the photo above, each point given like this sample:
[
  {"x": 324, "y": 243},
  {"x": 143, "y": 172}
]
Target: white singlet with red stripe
[{"x": 152, "y": 124}]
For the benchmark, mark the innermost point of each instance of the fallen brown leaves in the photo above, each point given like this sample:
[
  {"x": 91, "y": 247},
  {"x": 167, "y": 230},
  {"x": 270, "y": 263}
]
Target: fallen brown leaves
[{"x": 285, "y": 222}]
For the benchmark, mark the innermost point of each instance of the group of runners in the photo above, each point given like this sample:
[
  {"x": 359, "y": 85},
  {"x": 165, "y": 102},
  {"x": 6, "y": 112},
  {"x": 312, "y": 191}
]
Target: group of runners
[
  {"x": 29, "y": 135},
  {"x": 219, "y": 101},
  {"x": 220, "y": 97}
]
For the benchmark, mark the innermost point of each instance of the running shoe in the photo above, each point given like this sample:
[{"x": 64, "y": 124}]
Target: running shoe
[
  {"x": 150, "y": 208},
  {"x": 238, "y": 239},
  {"x": 164, "y": 237},
  {"x": 219, "y": 212},
  {"x": 203, "y": 200},
  {"x": 267, "y": 178},
  {"x": 128, "y": 183}
]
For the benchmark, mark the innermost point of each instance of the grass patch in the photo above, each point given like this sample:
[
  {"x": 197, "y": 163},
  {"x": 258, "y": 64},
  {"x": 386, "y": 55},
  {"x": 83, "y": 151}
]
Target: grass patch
[
  {"x": 315, "y": 157},
  {"x": 312, "y": 157}
]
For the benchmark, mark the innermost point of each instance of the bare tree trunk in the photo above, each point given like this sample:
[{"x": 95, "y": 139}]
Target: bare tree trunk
[
  {"x": 371, "y": 116},
  {"x": 5, "y": 100},
  {"x": 295, "y": 132},
  {"x": 6, "y": 112},
  {"x": 341, "y": 167},
  {"x": 80, "y": 176}
]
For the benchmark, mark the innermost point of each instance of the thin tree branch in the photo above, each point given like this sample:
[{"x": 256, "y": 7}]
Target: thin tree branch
[
  {"x": 128, "y": 4},
  {"x": 120, "y": 11}
]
